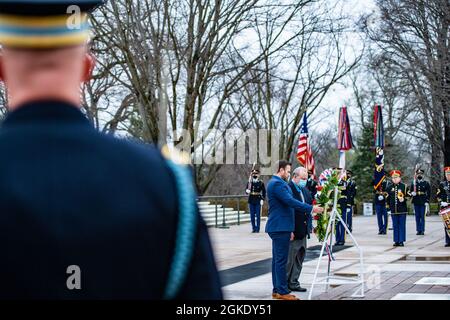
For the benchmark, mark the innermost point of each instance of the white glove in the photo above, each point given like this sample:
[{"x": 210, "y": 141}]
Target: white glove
[
  {"x": 349, "y": 209},
  {"x": 247, "y": 191},
  {"x": 413, "y": 194},
  {"x": 444, "y": 204},
  {"x": 261, "y": 202},
  {"x": 401, "y": 200},
  {"x": 380, "y": 197}
]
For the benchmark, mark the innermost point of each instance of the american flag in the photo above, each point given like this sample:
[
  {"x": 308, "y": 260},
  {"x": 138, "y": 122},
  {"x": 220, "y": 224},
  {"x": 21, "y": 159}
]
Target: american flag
[{"x": 304, "y": 152}]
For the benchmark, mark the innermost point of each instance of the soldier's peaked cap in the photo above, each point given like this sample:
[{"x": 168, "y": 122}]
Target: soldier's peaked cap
[
  {"x": 45, "y": 23},
  {"x": 396, "y": 173}
]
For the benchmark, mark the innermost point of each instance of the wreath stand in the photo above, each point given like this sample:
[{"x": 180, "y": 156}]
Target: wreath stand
[{"x": 359, "y": 293}]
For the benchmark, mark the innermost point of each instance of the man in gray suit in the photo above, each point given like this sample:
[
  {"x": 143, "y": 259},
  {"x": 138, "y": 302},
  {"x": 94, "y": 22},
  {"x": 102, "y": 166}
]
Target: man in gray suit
[{"x": 297, "y": 246}]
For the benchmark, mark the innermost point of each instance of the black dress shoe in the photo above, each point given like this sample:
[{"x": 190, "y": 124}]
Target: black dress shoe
[
  {"x": 297, "y": 289},
  {"x": 380, "y": 232},
  {"x": 396, "y": 244},
  {"x": 401, "y": 244},
  {"x": 447, "y": 245}
]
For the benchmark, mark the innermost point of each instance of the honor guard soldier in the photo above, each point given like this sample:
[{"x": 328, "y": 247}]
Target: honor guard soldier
[
  {"x": 351, "y": 194},
  {"x": 398, "y": 191},
  {"x": 85, "y": 215},
  {"x": 342, "y": 203},
  {"x": 420, "y": 194},
  {"x": 256, "y": 194},
  {"x": 311, "y": 185},
  {"x": 443, "y": 197},
  {"x": 381, "y": 205}
]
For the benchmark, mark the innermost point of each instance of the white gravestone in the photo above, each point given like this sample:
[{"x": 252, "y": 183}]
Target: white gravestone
[{"x": 367, "y": 209}]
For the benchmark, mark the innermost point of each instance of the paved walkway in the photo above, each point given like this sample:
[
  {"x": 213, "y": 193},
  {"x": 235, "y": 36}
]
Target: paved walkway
[{"x": 244, "y": 261}]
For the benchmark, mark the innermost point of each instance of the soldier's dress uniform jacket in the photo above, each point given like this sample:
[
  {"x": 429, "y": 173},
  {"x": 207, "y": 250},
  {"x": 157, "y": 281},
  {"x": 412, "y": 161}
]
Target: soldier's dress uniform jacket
[
  {"x": 257, "y": 192},
  {"x": 382, "y": 191},
  {"x": 443, "y": 192},
  {"x": 351, "y": 192},
  {"x": 71, "y": 196},
  {"x": 311, "y": 185},
  {"x": 423, "y": 192},
  {"x": 394, "y": 191}
]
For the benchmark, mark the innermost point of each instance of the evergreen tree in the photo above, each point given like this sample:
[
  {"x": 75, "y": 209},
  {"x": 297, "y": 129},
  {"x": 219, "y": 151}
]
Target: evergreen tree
[
  {"x": 396, "y": 156},
  {"x": 363, "y": 163}
]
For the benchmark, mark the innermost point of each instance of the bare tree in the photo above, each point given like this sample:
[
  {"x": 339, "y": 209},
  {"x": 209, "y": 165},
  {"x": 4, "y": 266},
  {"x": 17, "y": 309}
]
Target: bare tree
[{"x": 413, "y": 39}]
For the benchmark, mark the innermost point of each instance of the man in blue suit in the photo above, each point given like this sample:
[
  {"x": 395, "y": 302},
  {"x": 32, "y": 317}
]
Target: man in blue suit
[
  {"x": 85, "y": 215},
  {"x": 280, "y": 226}
]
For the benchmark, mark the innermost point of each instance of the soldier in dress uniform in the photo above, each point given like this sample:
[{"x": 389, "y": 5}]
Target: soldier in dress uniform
[
  {"x": 420, "y": 194},
  {"x": 443, "y": 197},
  {"x": 256, "y": 194},
  {"x": 311, "y": 185},
  {"x": 397, "y": 194},
  {"x": 342, "y": 203},
  {"x": 381, "y": 204},
  {"x": 351, "y": 194},
  {"x": 85, "y": 215}
]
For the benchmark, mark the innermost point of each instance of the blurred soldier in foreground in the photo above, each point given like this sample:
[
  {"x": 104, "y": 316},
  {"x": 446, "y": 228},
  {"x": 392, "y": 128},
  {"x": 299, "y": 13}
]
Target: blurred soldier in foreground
[
  {"x": 398, "y": 191},
  {"x": 256, "y": 194},
  {"x": 85, "y": 215},
  {"x": 420, "y": 193},
  {"x": 443, "y": 197}
]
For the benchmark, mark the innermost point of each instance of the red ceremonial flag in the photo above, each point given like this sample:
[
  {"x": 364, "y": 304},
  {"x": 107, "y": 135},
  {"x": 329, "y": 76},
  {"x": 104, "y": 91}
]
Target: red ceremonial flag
[{"x": 311, "y": 164}]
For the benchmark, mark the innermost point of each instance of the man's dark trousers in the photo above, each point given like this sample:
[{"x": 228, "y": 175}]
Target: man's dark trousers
[
  {"x": 297, "y": 252},
  {"x": 419, "y": 211},
  {"x": 382, "y": 217},
  {"x": 280, "y": 251},
  {"x": 255, "y": 215}
]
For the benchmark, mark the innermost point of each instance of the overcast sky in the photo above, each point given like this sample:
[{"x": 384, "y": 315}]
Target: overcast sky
[{"x": 340, "y": 94}]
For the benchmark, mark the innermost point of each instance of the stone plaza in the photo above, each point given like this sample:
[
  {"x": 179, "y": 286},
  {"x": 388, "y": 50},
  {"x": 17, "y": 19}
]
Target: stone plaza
[{"x": 419, "y": 270}]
